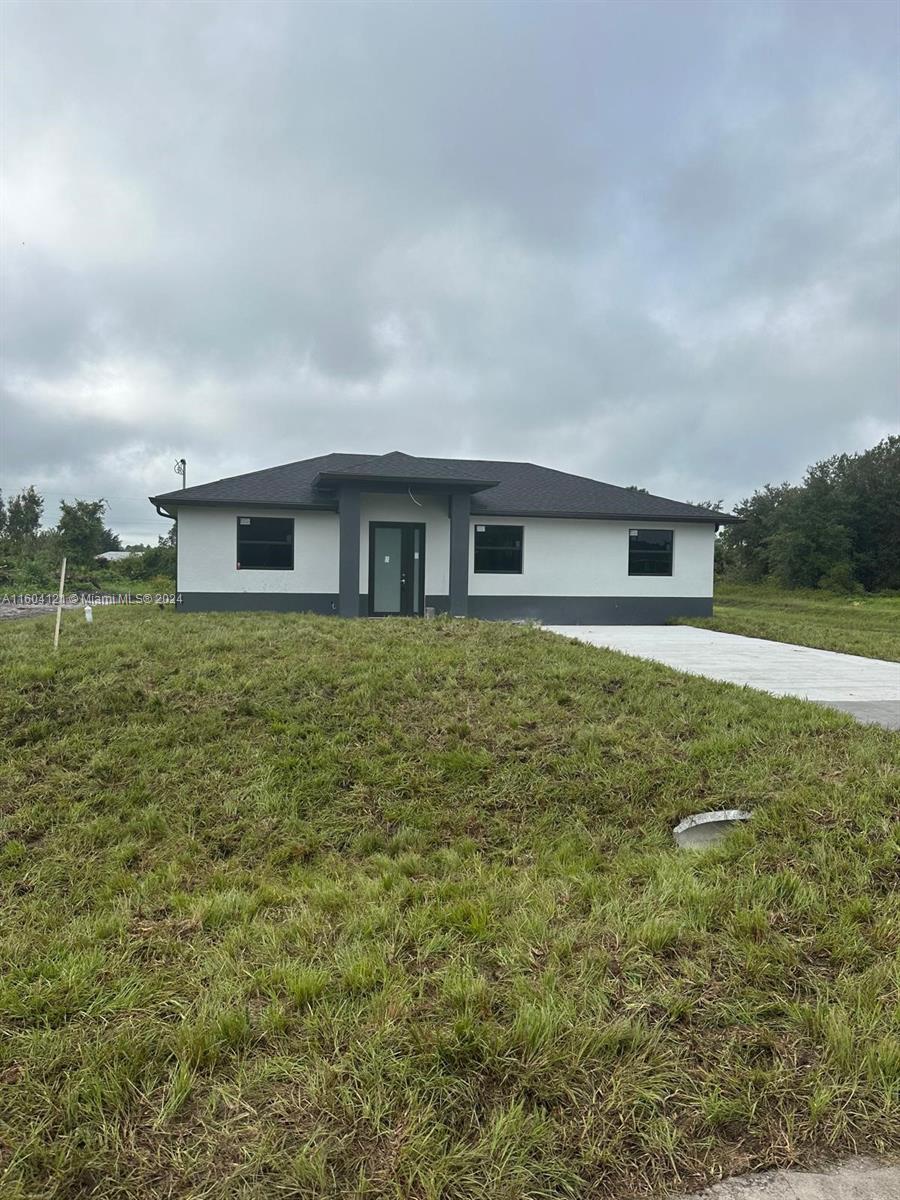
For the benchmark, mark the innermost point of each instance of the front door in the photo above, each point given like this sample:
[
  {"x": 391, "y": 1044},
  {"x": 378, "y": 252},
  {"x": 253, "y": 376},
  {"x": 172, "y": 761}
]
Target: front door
[{"x": 396, "y": 569}]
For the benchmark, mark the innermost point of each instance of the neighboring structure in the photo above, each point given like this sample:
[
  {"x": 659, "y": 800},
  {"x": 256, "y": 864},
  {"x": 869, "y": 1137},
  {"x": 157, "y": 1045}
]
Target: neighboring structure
[
  {"x": 114, "y": 556},
  {"x": 392, "y": 534}
]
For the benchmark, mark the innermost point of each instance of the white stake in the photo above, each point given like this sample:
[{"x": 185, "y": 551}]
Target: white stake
[{"x": 59, "y": 602}]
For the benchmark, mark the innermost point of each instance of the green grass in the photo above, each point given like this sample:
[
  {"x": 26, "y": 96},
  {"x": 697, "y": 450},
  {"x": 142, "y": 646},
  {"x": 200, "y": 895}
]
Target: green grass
[
  {"x": 300, "y": 907},
  {"x": 866, "y": 625}
]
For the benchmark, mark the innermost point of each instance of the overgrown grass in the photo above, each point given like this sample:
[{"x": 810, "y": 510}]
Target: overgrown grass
[
  {"x": 867, "y": 625},
  {"x": 80, "y": 581},
  {"x": 301, "y": 907}
]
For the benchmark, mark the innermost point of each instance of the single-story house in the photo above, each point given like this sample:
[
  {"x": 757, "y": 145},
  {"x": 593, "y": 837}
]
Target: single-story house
[{"x": 394, "y": 534}]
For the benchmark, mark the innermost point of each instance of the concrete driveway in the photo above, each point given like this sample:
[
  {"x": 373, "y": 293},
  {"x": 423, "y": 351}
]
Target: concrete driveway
[
  {"x": 859, "y": 1179},
  {"x": 867, "y": 688}
]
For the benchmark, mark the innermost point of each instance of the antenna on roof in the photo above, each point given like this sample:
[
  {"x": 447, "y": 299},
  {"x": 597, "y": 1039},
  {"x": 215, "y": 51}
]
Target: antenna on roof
[{"x": 181, "y": 469}]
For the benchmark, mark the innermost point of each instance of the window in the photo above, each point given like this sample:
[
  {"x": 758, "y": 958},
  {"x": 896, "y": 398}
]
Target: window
[
  {"x": 265, "y": 543},
  {"x": 650, "y": 551},
  {"x": 498, "y": 549}
]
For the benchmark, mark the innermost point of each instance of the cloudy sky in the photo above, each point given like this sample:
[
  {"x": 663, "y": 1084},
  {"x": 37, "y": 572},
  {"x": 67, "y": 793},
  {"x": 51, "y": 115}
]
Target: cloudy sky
[{"x": 654, "y": 243}]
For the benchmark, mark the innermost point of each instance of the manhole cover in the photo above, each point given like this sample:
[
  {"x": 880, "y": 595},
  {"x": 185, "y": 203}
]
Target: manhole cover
[{"x": 704, "y": 829}]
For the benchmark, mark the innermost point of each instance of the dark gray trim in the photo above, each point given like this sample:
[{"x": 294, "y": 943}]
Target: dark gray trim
[
  {"x": 325, "y": 506},
  {"x": 325, "y": 603},
  {"x": 589, "y": 610},
  {"x": 484, "y": 515},
  {"x": 519, "y": 513},
  {"x": 549, "y": 610},
  {"x": 348, "y": 553},
  {"x": 460, "y": 509}
]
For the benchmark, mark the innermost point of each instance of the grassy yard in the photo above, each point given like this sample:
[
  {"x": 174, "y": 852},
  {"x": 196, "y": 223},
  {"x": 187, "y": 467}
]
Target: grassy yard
[
  {"x": 867, "y": 625},
  {"x": 300, "y": 907}
]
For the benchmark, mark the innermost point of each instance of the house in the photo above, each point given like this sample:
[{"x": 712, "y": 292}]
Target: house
[{"x": 394, "y": 534}]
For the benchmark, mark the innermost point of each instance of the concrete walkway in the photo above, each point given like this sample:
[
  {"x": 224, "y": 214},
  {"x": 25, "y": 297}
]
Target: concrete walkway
[
  {"x": 860, "y": 1179},
  {"x": 867, "y": 688}
]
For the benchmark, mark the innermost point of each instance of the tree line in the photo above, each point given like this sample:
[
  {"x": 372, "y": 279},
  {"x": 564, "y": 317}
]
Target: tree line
[
  {"x": 30, "y": 555},
  {"x": 839, "y": 529}
]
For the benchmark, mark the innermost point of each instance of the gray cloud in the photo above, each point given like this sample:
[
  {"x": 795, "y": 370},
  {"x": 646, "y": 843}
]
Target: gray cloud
[{"x": 653, "y": 242}]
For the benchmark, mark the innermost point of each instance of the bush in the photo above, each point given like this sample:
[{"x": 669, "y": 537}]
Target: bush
[
  {"x": 839, "y": 579},
  {"x": 156, "y": 561}
]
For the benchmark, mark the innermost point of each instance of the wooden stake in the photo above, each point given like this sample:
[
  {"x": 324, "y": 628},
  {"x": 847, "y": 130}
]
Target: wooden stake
[{"x": 59, "y": 603}]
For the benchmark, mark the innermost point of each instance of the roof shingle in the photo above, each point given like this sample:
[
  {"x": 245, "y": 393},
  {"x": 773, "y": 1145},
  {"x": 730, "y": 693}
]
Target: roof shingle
[{"x": 521, "y": 489}]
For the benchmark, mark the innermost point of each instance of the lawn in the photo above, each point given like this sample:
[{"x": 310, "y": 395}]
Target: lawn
[
  {"x": 300, "y": 907},
  {"x": 867, "y": 625}
]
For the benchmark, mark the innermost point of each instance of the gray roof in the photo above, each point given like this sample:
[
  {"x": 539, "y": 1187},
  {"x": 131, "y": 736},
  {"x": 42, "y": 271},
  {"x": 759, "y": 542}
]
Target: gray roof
[
  {"x": 397, "y": 467},
  {"x": 500, "y": 488}
]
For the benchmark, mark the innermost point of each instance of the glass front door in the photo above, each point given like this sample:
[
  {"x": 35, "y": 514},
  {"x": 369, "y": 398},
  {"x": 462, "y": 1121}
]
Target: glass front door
[{"x": 396, "y": 569}]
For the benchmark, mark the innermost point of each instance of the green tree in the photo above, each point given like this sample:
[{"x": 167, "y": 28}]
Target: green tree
[
  {"x": 82, "y": 533},
  {"x": 870, "y": 492},
  {"x": 839, "y": 529},
  {"x": 812, "y": 540},
  {"x": 23, "y": 516},
  {"x": 746, "y": 547}
]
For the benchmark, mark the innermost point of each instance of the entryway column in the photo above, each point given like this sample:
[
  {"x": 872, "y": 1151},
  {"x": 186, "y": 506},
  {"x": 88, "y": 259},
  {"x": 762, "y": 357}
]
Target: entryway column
[
  {"x": 460, "y": 511},
  {"x": 348, "y": 553}
]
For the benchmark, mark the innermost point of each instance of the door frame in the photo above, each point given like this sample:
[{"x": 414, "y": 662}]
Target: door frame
[{"x": 406, "y": 567}]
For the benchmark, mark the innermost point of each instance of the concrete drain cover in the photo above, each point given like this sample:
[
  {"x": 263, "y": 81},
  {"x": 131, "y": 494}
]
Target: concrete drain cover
[{"x": 705, "y": 829}]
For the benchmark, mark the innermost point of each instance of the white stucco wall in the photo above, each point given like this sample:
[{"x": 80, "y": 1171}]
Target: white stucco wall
[
  {"x": 433, "y": 514},
  {"x": 560, "y": 557},
  {"x": 207, "y": 552},
  {"x": 590, "y": 558}
]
